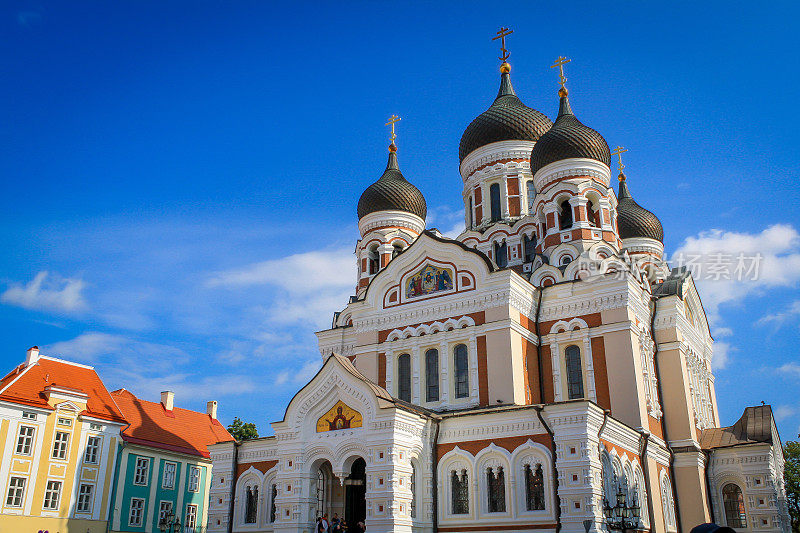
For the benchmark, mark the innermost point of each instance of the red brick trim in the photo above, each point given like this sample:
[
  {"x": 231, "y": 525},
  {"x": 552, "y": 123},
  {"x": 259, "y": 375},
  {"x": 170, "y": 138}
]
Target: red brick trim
[{"x": 483, "y": 376}]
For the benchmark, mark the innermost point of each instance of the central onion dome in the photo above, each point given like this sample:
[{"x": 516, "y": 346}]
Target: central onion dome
[
  {"x": 634, "y": 220},
  {"x": 507, "y": 119},
  {"x": 392, "y": 192},
  {"x": 569, "y": 138}
]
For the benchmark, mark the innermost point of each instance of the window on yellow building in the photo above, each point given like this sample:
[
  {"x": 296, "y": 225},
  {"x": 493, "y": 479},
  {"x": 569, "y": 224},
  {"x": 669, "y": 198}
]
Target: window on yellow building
[
  {"x": 92, "y": 450},
  {"x": 25, "y": 440},
  {"x": 85, "y": 494},
  {"x": 52, "y": 495},
  {"x": 60, "y": 445},
  {"x": 16, "y": 492}
]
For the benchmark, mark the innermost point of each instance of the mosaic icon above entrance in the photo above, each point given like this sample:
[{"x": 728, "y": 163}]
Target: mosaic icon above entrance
[
  {"x": 339, "y": 417},
  {"x": 428, "y": 280}
]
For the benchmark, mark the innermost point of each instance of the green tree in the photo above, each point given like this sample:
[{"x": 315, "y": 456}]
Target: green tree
[
  {"x": 242, "y": 430},
  {"x": 791, "y": 476}
]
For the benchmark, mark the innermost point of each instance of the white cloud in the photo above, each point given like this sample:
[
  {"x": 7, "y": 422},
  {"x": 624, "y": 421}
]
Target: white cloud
[
  {"x": 790, "y": 369},
  {"x": 778, "y": 319},
  {"x": 782, "y": 412},
  {"x": 451, "y": 222},
  {"x": 47, "y": 292},
  {"x": 721, "y": 354},
  {"x": 773, "y": 253}
]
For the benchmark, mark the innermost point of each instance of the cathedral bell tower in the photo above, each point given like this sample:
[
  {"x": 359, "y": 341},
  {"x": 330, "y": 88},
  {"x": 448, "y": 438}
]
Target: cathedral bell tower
[{"x": 391, "y": 215}]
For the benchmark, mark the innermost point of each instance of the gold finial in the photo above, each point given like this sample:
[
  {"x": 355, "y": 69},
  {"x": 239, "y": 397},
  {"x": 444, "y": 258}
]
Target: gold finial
[
  {"x": 618, "y": 151},
  {"x": 505, "y": 68},
  {"x": 392, "y": 120},
  {"x": 560, "y": 62}
]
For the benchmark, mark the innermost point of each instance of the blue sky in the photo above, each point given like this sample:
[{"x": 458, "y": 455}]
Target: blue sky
[{"x": 180, "y": 178}]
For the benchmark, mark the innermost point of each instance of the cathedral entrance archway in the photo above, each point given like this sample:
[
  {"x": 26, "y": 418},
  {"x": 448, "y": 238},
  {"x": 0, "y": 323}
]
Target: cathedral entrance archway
[{"x": 355, "y": 508}]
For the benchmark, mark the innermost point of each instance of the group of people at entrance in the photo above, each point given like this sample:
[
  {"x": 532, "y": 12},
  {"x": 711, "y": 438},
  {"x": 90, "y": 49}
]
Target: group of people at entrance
[{"x": 337, "y": 525}]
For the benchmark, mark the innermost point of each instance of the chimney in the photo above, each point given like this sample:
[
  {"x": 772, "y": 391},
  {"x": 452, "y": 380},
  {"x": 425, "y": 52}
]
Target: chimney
[
  {"x": 32, "y": 355},
  {"x": 168, "y": 399},
  {"x": 211, "y": 409}
]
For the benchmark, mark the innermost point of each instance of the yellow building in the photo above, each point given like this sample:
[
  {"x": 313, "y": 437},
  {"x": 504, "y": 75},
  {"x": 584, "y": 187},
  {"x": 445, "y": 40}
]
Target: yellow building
[{"x": 59, "y": 430}]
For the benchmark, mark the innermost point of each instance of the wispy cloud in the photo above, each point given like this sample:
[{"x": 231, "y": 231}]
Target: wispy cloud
[
  {"x": 782, "y": 412},
  {"x": 721, "y": 355},
  {"x": 790, "y": 369},
  {"x": 778, "y": 319},
  {"x": 774, "y": 254},
  {"x": 448, "y": 221},
  {"x": 47, "y": 291}
]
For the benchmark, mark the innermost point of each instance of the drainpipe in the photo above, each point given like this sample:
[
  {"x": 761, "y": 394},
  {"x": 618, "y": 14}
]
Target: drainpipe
[
  {"x": 434, "y": 470},
  {"x": 657, "y": 369},
  {"x": 233, "y": 485},
  {"x": 539, "y": 409},
  {"x": 644, "y": 440}
]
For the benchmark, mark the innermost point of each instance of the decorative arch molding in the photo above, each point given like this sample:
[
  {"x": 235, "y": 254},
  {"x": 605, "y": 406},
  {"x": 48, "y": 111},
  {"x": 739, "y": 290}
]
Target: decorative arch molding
[
  {"x": 545, "y": 272},
  {"x": 559, "y": 341},
  {"x": 427, "y": 329}
]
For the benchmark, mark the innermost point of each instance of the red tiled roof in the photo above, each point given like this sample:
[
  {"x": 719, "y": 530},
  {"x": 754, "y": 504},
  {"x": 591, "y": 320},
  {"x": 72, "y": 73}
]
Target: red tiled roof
[
  {"x": 179, "y": 430},
  {"x": 29, "y": 388}
]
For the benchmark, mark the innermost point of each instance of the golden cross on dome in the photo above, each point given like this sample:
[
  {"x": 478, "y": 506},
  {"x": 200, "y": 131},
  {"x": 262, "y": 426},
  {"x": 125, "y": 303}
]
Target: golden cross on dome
[
  {"x": 560, "y": 62},
  {"x": 392, "y": 120},
  {"x": 502, "y": 36},
  {"x": 618, "y": 151}
]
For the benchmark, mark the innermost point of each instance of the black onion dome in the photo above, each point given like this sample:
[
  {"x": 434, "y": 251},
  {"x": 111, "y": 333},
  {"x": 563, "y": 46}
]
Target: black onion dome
[
  {"x": 392, "y": 193},
  {"x": 634, "y": 220},
  {"x": 507, "y": 119},
  {"x": 568, "y": 139}
]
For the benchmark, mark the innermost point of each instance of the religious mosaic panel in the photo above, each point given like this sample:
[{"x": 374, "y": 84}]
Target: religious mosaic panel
[
  {"x": 339, "y": 417},
  {"x": 428, "y": 280}
]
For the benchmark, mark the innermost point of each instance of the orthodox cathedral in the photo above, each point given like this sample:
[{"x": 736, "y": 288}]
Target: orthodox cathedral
[{"x": 544, "y": 370}]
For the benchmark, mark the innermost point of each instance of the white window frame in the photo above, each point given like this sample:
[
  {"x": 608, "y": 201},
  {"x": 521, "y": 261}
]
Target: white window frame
[
  {"x": 95, "y": 449},
  {"x": 25, "y": 442},
  {"x": 63, "y": 421},
  {"x": 163, "y": 510},
  {"x": 18, "y": 492},
  {"x": 52, "y": 495},
  {"x": 140, "y": 509},
  {"x": 194, "y": 479},
  {"x": 141, "y": 471},
  {"x": 85, "y": 497},
  {"x": 27, "y": 415},
  {"x": 193, "y": 515},
  {"x": 60, "y": 446},
  {"x": 164, "y": 479}
]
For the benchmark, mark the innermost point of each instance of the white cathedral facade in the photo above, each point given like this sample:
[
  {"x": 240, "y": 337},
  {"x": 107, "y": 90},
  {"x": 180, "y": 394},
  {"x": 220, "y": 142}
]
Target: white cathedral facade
[{"x": 533, "y": 373}]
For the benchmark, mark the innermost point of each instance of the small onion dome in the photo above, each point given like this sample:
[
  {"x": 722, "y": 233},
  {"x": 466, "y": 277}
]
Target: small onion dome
[
  {"x": 392, "y": 193},
  {"x": 634, "y": 220},
  {"x": 568, "y": 139},
  {"x": 507, "y": 119}
]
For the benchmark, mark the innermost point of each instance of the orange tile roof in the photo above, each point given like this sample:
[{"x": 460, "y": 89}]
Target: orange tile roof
[
  {"x": 30, "y": 384},
  {"x": 179, "y": 430}
]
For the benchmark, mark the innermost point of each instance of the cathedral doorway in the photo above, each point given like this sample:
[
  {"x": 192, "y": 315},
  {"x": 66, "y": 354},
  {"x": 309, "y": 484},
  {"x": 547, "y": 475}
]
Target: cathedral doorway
[{"x": 355, "y": 509}]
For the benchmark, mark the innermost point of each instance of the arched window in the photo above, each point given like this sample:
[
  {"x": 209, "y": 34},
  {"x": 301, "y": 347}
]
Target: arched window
[
  {"x": 413, "y": 491},
  {"x": 251, "y": 505},
  {"x": 529, "y": 247},
  {"x": 272, "y": 503},
  {"x": 374, "y": 260},
  {"x": 494, "y": 196},
  {"x": 534, "y": 488},
  {"x": 397, "y": 249},
  {"x": 531, "y": 195},
  {"x": 460, "y": 491},
  {"x": 733, "y": 502},
  {"x": 565, "y": 216},
  {"x": 404, "y": 377},
  {"x": 574, "y": 372},
  {"x": 461, "y": 366},
  {"x": 469, "y": 213},
  {"x": 667, "y": 503},
  {"x": 501, "y": 254},
  {"x": 320, "y": 493},
  {"x": 590, "y": 214},
  {"x": 495, "y": 482},
  {"x": 432, "y": 375}
]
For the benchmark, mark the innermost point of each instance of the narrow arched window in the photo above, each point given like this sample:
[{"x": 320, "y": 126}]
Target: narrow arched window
[
  {"x": 459, "y": 492},
  {"x": 374, "y": 260},
  {"x": 574, "y": 372},
  {"x": 461, "y": 365},
  {"x": 534, "y": 488},
  {"x": 320, "y": 493},
  {"x": 529, "y": 247},
  {"x": 272, "y": 508},
  {"x": 494, "y": 197},
  {"x": 469, "y": 213},
  {"x": 733, "y": 502},
  {"x": 404, "y": 377},
  {"x": 432, "y": 375},
  {"x": 590, "y": 214},
  {"x": 531, "y": 195},
  {"x": 251, "y": 505},
  {"x": 397, "y": 249},
  {"x": 496, "y": 486},
  {"x": 501, "y": 254},
  {"x": 565, "y": 216}
]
